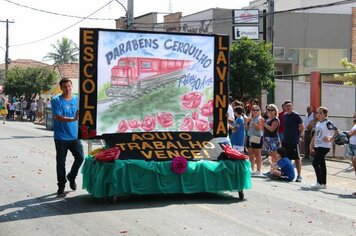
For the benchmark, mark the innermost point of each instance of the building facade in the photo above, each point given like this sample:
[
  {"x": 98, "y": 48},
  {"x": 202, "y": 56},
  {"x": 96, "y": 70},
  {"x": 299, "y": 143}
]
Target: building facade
[{"x": 314, "y": 39}]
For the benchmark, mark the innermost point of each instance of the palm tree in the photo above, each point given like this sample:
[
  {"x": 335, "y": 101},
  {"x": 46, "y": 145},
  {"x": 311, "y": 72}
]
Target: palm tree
[{"x": 65, "y": 51}]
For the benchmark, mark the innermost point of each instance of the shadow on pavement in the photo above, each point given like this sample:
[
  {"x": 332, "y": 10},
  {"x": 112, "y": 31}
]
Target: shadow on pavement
[
  {"x": 26, "y": 137},
  {"x": 51, "y": 205}
]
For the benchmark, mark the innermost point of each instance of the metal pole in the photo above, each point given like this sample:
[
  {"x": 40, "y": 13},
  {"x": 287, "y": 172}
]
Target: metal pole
[
  {"x": 7, "y": 47},
  {"x": 129, "y": 14},
  {"x": 271, "y": 21}
]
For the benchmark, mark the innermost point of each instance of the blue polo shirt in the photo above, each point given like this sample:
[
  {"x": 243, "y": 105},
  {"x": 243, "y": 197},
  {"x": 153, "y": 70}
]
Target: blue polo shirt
[{"x": 66, "y": 131}]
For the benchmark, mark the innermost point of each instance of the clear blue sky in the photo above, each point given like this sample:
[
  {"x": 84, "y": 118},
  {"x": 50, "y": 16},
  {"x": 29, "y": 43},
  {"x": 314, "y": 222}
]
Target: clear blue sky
[{"x": 33, "y": 25}]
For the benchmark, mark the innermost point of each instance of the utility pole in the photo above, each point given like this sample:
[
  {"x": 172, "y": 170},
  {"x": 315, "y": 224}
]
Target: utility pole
[
  {"x": 270, "y": 3},
  {"x": 7, "y": 43},
  {"x": 271, "y": 21},
  {"x": 7, "y": 61},
  {"x": 129, "y": 14}
]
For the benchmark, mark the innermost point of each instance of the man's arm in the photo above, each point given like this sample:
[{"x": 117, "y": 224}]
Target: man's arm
[{"x": 67, "y": 119}]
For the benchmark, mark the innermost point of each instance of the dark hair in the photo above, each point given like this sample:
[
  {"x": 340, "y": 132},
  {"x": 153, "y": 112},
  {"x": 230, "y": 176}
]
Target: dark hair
[
  {"x": 239, "y": 110},
  {"x": 63, "y": 81},
  {"x": 287, "y": 101},
  {"x": 282, "y": 151}
]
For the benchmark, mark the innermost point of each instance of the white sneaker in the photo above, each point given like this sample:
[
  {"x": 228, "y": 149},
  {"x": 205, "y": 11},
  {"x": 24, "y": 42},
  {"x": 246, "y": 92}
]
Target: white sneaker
[
  {"x": 317, "y": 186},
  {"x": 323, "y": 186},
  {"x": 257, "y": 174}
]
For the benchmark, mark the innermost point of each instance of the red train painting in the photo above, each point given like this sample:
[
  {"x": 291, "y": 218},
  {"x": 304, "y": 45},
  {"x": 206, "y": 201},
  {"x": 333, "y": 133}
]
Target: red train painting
[{"x": 134, "y": 75}]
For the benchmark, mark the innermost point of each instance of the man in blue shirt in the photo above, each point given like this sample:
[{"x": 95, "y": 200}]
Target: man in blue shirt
[
  {"x": 293, "y": 129},
  {"x": 65, "y": 125}
]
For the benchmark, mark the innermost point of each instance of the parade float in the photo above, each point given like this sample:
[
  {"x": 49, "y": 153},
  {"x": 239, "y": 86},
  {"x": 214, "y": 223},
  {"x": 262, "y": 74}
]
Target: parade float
[{"x": 158, "y": 101}]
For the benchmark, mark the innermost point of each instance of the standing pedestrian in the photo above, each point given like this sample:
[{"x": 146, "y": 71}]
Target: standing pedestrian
[
  {"x": 324, "y": 135},
  {"x": 254, "y": 127},
  {"x": 281, "y": 127},
  {"x": 293, "y": 129},
  {"x": 65, "y": 113},
  {"x": 238, "y": 129},
  {"x": 33, "y": 110},
  {"x": 3, "y": 109},
  {"x": 352, "y": 146},
  {"x": 270, "y": 134},
  {"x": 308, "y": 132}
]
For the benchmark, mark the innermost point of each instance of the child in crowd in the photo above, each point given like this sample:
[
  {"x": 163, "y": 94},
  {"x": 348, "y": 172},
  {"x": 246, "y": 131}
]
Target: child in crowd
[{"x": 284, "y": 169}]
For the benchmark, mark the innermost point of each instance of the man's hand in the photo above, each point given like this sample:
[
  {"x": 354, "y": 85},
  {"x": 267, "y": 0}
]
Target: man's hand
[{"x": 76, "y": 117}]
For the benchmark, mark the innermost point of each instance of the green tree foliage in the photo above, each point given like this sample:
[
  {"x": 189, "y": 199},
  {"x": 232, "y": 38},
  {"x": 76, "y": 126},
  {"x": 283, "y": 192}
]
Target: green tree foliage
[
  {"x": 65, "y": 51},
  {"x": 28, "y": 81},
  {"x": 252, "y": 67},
  {"x": 347, "y": 78}
]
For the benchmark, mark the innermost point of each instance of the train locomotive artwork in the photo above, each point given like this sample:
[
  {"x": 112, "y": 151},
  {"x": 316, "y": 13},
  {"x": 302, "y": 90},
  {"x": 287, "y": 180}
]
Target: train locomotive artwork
[{"x": 136, "y": 75}]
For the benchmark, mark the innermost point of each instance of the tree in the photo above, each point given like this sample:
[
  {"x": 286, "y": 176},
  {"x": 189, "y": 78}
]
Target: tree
[
  {"x": 347, "y": 78},
  {"x": 28, "y": 81},
  {"x": 65, "y": 51},
  {"x": 252, "y": 67}
]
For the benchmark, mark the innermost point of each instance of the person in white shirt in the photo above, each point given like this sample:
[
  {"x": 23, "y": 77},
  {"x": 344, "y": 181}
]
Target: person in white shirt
[
  {"x": 352, "y": 147},
  {"x": 230, "y": 116},
  {"x": 308, "y": 132},
  {"x": 321, "y": 143}
]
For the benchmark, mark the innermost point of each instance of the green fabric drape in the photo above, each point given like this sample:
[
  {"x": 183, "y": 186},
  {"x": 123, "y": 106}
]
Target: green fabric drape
[{"x": 122, "y": 177}]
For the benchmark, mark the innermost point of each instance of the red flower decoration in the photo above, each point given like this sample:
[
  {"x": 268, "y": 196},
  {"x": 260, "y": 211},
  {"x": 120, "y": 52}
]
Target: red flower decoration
[
  {"x": 179, "y": 165},
  {"x": 85, "y": 134},
  {"x": 208, "y": 108},
  {"x": 148, "y": 123},
  {"x": 92, "y": 133},
  {"x": 134, "y": 124},
  {"x": 123, "y": 126},
  {"x": 84, "y": 128},
  {"x": 191, "y": 100},
  {"x": 201, "y": 125},
  {"x": 187, "y": 124},
  {"x": 165, "y": 119}
]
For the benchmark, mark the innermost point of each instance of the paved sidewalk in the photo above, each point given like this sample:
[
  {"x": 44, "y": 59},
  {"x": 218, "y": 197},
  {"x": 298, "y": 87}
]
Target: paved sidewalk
[{"x": 340, "y": 174}]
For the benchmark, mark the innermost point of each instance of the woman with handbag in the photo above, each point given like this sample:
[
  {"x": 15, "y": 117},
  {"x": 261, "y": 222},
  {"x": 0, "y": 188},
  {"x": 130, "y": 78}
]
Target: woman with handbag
[
  {"x": 254, "y": 127},
  {"x": 270, "y": 134}
]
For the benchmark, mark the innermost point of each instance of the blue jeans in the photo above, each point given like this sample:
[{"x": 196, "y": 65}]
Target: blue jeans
[{"x": 62, "y": 147}]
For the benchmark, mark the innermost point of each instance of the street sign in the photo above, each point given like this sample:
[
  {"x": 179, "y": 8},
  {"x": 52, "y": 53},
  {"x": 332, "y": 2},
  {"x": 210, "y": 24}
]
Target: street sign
[
  {"x": 251, "y": 32},
  {"x": 246, "y": 16}
]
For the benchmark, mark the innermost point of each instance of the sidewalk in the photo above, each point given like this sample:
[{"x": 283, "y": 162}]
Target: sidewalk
[{"x": 340, "y": 174}]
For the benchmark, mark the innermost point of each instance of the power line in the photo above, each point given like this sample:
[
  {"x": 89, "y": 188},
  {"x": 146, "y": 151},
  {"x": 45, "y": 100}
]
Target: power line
[
  {"x": 39, "y": 40},
  {"x": 228, "y": 19},
  {"x": 150, "y": 25},
  {"x": 55, "y": 13}
]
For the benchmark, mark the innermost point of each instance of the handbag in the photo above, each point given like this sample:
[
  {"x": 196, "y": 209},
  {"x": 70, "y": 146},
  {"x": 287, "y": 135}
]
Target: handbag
[{"x": 255, "y": 139}]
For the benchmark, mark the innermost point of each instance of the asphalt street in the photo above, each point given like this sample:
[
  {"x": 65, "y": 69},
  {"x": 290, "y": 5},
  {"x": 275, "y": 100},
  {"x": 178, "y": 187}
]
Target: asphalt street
[{"x": 29, "y": 206}]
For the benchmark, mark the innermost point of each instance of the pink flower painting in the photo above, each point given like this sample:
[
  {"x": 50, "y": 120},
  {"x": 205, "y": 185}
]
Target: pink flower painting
[
  {"x": 148, "y": 123},
  {"x": 208, "y": 108},
  {"x": 201, "y": 125},
  {"x": 191, "y": 100},
  {"x": 187, "y": 124},
  {"x": 123, "y": 126},
  {"x": 165, "y": 119}
]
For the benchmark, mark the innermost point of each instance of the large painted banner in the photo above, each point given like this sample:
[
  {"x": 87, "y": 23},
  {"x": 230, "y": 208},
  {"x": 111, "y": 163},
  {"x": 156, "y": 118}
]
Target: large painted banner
[{"x": 139, "y": 82}]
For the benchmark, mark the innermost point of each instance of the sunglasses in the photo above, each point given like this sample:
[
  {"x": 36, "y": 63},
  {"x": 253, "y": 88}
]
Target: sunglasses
[
  {"x": 255, "y": 110},
  {"x": 270, "y": 109}
]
